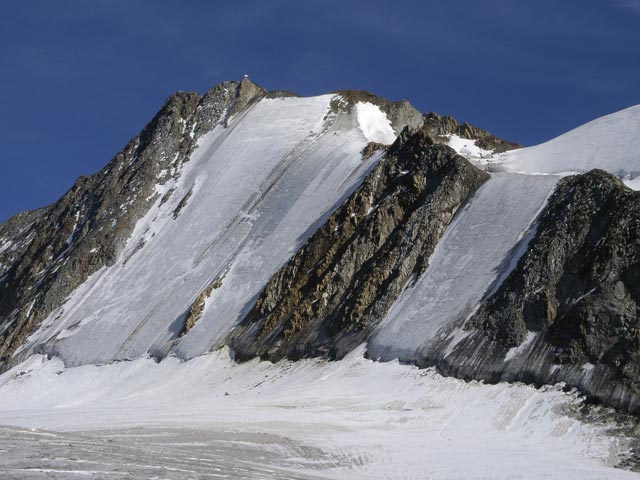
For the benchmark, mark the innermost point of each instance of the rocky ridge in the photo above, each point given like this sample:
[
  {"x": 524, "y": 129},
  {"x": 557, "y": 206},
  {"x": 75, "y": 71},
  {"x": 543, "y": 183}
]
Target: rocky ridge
[
  {"x": 335, "y": 290},
  {"x": 399, "y": 113}
]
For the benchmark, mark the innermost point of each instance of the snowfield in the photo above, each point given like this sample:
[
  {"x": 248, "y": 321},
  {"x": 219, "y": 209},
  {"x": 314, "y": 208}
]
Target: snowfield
[{"x": 212, "y": 418}]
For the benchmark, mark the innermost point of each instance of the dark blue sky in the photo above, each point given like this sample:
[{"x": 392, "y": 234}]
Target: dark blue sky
[{"x": 79, "y": 78}]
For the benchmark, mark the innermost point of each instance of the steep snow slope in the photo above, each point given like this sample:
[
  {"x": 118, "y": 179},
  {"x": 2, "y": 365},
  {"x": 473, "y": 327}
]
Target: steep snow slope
[
  {"x": 611, "y": 143},
  {"x": 245, "y": 202},
  {"x": 477, "y": 251},
  {"x": 352, "y": 419}
]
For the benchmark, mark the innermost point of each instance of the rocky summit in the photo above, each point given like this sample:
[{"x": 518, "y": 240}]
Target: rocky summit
[{"x": 255, "y": 251}]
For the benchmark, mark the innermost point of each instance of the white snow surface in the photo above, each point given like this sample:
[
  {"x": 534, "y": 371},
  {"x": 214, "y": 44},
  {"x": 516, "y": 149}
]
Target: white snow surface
[
  {"x": 468, "y": 148},
  {"x": 343, "y": 416},
  {"x": 611, "y": 143},
  {"x": 373, "y": 122},
  {"x": 254, "y": 192}
]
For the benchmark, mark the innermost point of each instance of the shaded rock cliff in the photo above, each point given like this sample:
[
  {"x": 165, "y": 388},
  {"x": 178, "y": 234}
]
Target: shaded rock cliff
[
  {"x": 335, "y": 290},
  {"x": 569, "y": 310}
]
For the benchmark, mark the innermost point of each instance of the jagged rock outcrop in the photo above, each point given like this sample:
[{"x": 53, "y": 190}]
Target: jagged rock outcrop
[
  {"x": 441, "y": 126},
  {"x": 49, "y": 252},
  {"x": 570, "y": 310},
  {"x": 223, "y": 101},
  {"x": 371, "y": 148},
  {"x": 15, "y": 235},
  {"x": 335, "y": 290}
]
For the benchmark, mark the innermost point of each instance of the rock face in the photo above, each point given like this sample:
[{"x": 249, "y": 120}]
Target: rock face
[
  {"x": 15, "y": 235},
  {"x": 197, "y": 307},
  {"x": 441, "y": 126},
  {"x": 335, "y": 290},
  {"x": 579, "y": 279},
  {"x": 46, "y": 254},
  {"x": 569, "y": 310}
]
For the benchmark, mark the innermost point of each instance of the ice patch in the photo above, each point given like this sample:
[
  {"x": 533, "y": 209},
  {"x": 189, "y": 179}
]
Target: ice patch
[
  {"x": 588, "y": 367},
  {"x": 73, "y": 230},
  {"x": 454, "y": 339},
  {"x": 373, "y": 122},
  {"x": 6, "y": 245},
  {"x": 468, "y": 148},
  {"x": 634, "y": 183}
]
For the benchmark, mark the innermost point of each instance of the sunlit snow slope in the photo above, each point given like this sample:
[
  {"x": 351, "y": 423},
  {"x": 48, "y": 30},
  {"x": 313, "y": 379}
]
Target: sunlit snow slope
[
  {"x": 485, "y": 241},
  {"x": 243, "y": 204},
  {"x": 611, "y": 143}
]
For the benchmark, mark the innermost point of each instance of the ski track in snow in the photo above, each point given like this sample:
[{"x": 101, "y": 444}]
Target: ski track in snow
[{"x": 311, "y": 419}]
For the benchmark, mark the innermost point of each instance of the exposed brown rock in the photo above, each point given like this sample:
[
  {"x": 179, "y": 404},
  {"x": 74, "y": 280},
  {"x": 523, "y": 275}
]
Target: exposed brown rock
[
  {"x": 197, "y": 307},
  {"x": 371, "y": 148},
  {"x": 336, "y": 289}
]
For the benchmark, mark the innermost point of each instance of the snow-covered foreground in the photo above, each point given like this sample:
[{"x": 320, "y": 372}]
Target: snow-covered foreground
[
  {"x": 151, "y": 453},
  {"x": 210, "y": 418}
]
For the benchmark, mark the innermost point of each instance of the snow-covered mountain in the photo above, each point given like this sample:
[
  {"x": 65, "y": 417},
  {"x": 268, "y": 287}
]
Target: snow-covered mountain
[{"x": 244, "y": 223}]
